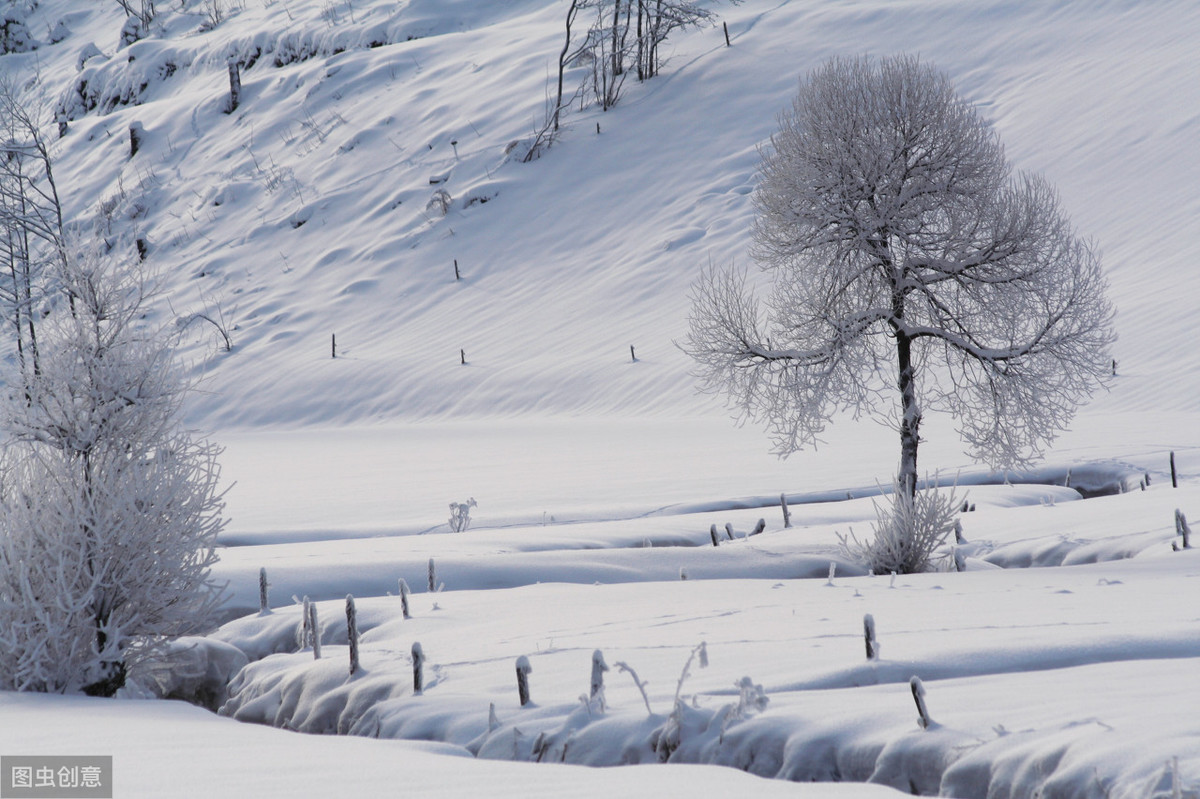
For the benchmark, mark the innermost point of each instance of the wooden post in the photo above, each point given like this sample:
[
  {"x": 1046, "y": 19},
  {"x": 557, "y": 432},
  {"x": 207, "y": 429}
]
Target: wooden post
[
  {"x": 235, "y": 85},
  {"x": 869, "y": 636},
  {"x": 725, "y": 25},
  {"x": 333, "y": 345},
  {"x": 1174, "y": 482},
  {"x": 264, "y": 605},
  {"x": 136, "y": 134},
  {"x": 598, "y": 669},
  {"x": 432, "y": 577},
  {"x": 316, "y": 630},
  {"x": 787, "y": 516},
  {"x": 457, "y": 276},
  {"x": 712, "y": 533},
  {"x": 352, "y": 632},
  {"x": 418, "y": 666},
  {"x": 462, "y": 356},
  {"x": 918, "y": 692},
  {"x": 523, "y": 669},
  {"x": 404, "y": 599},
  {"x": 632, "y": 354}
]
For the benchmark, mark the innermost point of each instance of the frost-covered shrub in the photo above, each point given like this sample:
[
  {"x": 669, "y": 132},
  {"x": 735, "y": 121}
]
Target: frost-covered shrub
[
  {"x": 440, "y": 202},
  {"x": 132, "y": 31},
  {"x": 14, "y": 33},
  {"x": 908, "y": 531},
  {"x": 460, "y": 515},
  {"x": 109, "y": 510}
]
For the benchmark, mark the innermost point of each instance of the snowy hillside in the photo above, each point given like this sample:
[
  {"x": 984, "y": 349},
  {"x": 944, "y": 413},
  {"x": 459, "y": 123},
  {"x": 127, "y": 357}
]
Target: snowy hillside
[
  {"x": 311, "y": 212},
  {"x": 304, "y": 215}
]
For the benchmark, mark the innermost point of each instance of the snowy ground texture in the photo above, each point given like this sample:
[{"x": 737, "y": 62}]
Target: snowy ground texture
[{"x": 1059, "y": 662}]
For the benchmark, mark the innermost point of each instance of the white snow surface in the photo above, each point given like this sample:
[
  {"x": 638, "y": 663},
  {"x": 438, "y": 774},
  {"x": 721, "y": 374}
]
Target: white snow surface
[{"x": 303, "y": 215}]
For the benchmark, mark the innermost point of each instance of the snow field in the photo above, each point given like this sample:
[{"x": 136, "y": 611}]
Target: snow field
[{"x": 306, "y": 214}]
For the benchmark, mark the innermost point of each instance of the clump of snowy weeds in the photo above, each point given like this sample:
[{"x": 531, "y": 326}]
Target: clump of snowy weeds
[
  {"x": 909, "y": 530},
  {"x": 460, "y": 515}
]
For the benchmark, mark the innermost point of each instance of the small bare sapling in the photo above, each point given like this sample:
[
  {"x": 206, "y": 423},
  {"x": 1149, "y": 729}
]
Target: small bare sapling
[
  {"x": 625, "y": 667},
  {"x": 918, "y": 692},
  {"x": 523, "y": 670},
  {"x": 418, "y": 667},
  {"x": 352, "y": 632},
  {"x": 700, "y": 651}
]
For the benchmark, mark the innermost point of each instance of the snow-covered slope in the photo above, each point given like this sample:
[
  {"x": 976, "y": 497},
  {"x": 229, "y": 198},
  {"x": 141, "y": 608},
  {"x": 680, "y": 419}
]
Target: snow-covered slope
[{"x": 303, "y": 214}]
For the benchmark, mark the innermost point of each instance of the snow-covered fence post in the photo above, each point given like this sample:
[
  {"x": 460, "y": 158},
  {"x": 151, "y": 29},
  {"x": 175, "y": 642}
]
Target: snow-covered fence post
[
  {"x": 729, "y": 530},
  {"x": 418, "y": 666},
  {"x": 523, "y": 670},
  {"x": 758, "y": 528},
  {"x": 432, "y": 575},
  {"x": 333, "y": 345},
  {"x": 958, "y": 536},
  {"x": 869, "y": 637},
  {"x": 404, "y": 599},
  {"x": 918, "y": 692},
  {"x": 264, "y": 605},
  {"x": 305, "y": 632},
  {"x": 316, "y": 631},
  {"x": 457, "y": 276},
  {"x": 598, "y": 669},
  {"x": 235, "y": 85},
  {"x": 352, "y": 632},
  {"x": 787, "y": 516},
  {"x": 632, "y": 355},
  {"x": 136, "y": 134},
  {"x": 725, "y": 25},
  {"x": 712, "y": 533},
  {"x": 1182, "y": 530},
  {"x": 1174, "y": 482},
  {"x": 462, "y": 357}
]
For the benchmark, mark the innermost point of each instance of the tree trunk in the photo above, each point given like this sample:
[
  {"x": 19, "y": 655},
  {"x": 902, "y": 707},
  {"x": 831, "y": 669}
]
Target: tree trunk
[
  {"x": 562, "y": 59},
  {"x": 910, "y": 411},
  {"x": 910, "y": 416}
]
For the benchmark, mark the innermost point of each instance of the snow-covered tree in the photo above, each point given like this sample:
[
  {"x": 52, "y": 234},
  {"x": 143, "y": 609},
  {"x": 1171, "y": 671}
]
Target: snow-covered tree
[
  {"x": 906, "y": 257},
  {"x": 31, "y": 221},
  {"x": 109, "y": 509}
]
